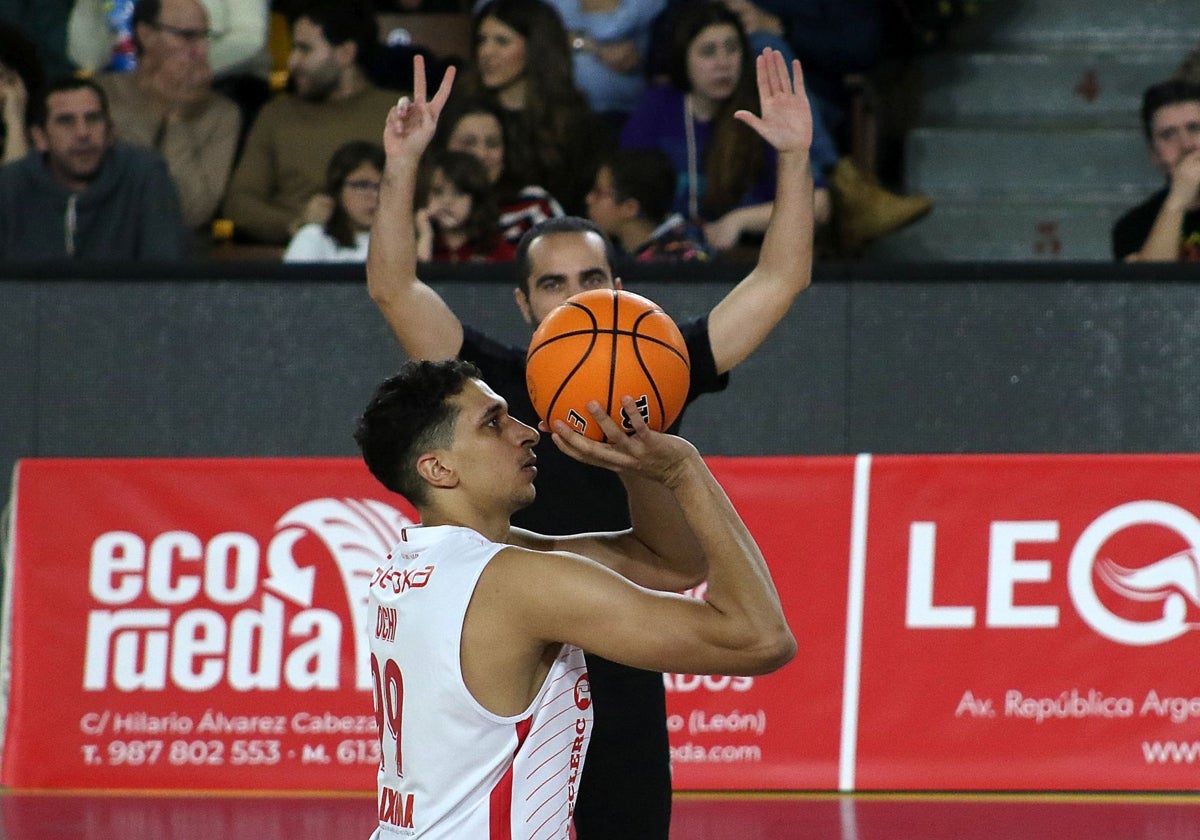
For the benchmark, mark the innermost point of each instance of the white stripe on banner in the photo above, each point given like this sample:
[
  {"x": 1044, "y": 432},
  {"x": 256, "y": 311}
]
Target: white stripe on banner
[{"x": 848, "y": 755}]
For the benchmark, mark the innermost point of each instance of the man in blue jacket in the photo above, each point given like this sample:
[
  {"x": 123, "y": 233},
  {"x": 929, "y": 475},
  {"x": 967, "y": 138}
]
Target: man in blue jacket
[{"x": 80, "y": 195}]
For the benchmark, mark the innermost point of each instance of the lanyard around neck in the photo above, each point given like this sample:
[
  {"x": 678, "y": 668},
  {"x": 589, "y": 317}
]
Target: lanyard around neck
[{"x": 689, "y": 128}]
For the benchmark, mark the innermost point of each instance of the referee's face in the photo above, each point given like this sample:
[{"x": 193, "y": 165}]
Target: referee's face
[{"x": 563, "y": 264}]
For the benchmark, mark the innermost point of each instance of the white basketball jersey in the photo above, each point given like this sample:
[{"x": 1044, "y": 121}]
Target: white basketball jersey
[{"x": 450, "y": 768}]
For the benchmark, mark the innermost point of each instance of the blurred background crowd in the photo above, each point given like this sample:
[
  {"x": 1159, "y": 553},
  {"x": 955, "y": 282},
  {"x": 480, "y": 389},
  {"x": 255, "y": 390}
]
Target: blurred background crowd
[{"x": 192, "y": 129}]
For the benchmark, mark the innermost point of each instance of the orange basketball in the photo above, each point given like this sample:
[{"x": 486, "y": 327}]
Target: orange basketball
[{"x": 602, "y": 345}]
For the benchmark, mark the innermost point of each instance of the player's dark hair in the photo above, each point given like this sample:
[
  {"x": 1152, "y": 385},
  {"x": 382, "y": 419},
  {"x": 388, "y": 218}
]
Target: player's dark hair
[
  {"x": 409, "y": 414},
  {"x": 558, "y": 224},
  {"x": 1162, "y": 94}
]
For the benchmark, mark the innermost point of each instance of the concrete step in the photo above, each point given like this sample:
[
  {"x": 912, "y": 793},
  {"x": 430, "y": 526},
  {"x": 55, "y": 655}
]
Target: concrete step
[
  {"x": 1006, "y": 231},
  {"x": 1024, "y": 24},
  {"x": 975, "y": 163},
  {"x": 1080, "y": 87}
]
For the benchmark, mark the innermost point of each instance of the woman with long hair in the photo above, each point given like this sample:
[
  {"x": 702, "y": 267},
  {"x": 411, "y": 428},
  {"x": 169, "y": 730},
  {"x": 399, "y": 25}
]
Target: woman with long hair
[
  {"x": 522, "y": 65},
  {"x": 726, "y": 172},
  {"x": 456, "y": 219}
]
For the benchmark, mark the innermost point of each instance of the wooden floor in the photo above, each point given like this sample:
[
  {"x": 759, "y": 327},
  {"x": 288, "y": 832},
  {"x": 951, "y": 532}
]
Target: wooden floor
[{"x": 59, "y": 816}]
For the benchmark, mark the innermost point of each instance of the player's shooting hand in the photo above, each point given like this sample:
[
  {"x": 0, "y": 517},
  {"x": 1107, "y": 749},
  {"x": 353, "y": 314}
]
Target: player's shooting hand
[
  {"x": 786, "y": 121},
  {"x": 411, "y": 122},
  {"x": 655, "y": 455}
]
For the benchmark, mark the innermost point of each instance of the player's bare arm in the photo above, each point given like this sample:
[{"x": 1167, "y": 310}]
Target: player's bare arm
[
  {"x": 423, "y": 324},
  {"x": 739, "y": 628},
  {"x": 550, "y": 597},
  {"x": 660, "y": 551},
  {"x": 740, "y": 322}
]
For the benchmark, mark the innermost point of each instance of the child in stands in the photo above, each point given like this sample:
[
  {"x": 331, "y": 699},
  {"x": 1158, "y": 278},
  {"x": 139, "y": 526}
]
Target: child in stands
[{"x": 457, "y": 220}]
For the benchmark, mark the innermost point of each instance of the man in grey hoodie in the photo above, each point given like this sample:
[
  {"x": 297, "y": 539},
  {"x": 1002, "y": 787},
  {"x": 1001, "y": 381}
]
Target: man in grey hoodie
[{"x": 79, "y": 194}]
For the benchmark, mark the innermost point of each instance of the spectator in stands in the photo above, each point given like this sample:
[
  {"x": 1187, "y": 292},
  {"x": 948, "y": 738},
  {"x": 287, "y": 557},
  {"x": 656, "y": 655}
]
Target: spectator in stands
[
  {"x": 277, "y": 185},
  {"x": 631, "y": 202},
  {"x": 237, "y": 36},
  {"x": 456, "y": 219},
  {"x": 80, "y": 194},
  {"x": 20, "y": 78},
  {"x": 167, "y": 103},
  {"x": 353, "y": 178},
  {"x": 609, "y": 42},
  {"x": 1166, "y": 226},
  {"x": 473, "y": 126},
  {"x": 725, "y": 172},
  {"x": 834, "y": 40},
  {"x": 238, "y": 49},
  {"x": 522, "y": 64}
]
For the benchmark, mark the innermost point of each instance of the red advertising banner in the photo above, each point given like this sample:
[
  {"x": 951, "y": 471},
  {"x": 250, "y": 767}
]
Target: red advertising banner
[
  {"x": 964, "y": 623},
  {"x": 193, "y": 624},
  {"x": 1030, "y": 623},
  {"x": 781, "y": 731}
]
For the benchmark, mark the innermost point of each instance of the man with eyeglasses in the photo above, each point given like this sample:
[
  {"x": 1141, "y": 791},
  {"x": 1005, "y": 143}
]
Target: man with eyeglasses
[
  {"x": 277, "y": 186},
  {"x": 167, "y": 103},
  {"x": 81, "y": 195},
  {"x": 1166, "y": 226}
]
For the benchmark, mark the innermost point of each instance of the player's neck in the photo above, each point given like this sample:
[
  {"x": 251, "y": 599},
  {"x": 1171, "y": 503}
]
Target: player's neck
[{"x": 494, "y": 527}]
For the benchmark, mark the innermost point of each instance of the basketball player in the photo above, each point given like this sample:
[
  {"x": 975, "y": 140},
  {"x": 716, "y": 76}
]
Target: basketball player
[
  {"x": 626, "y": 789},
  {"x": 481, "y": 690}
]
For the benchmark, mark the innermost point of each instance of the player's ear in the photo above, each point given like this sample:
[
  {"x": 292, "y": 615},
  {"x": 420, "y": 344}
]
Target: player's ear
[
  {"x": 522, "y": 300},
  {"x": 435, "y": 471}
]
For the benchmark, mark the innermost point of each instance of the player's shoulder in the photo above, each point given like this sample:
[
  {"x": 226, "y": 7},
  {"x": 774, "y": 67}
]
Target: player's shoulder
[
  {"x": 531, "y": 550},
  {"x": 524, "y": 577}
]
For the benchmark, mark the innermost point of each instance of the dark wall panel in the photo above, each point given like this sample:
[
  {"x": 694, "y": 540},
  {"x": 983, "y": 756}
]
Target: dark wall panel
[
  {"x": 987, "y": 367},
  {"x": 277, "y": 361}
]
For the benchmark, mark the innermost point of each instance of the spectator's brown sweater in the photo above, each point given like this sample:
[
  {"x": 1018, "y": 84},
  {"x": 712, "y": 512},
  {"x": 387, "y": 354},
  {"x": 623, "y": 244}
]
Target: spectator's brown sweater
[{"x": 287, "y": 150}]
